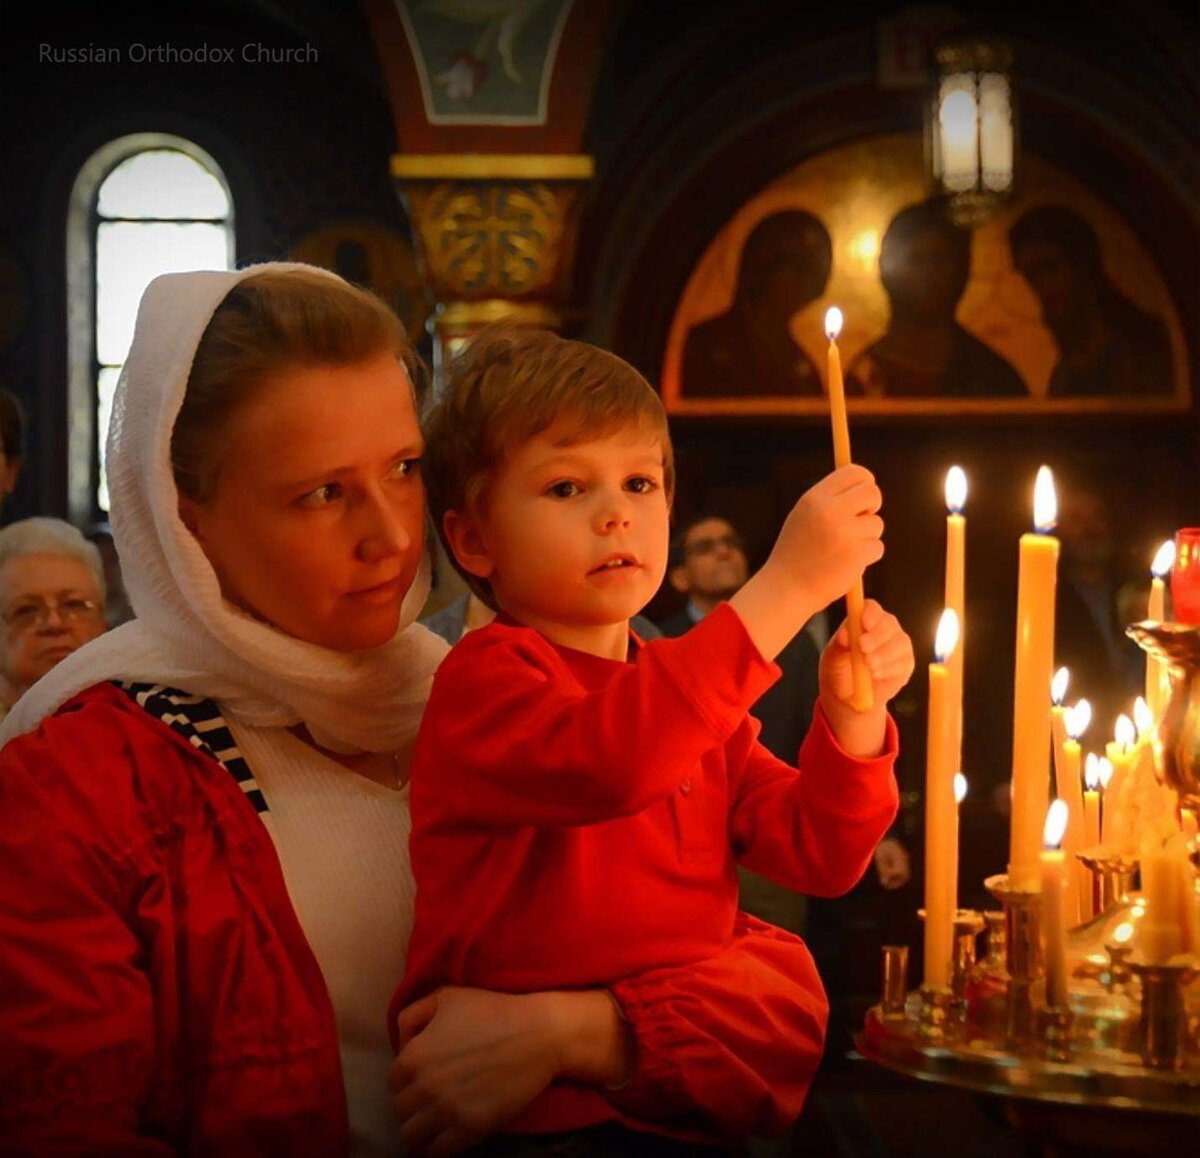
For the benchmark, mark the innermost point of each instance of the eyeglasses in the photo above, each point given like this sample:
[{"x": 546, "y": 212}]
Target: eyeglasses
[
  {"x": 711, "y": 546},
  {"x": 30, "y": 613}
]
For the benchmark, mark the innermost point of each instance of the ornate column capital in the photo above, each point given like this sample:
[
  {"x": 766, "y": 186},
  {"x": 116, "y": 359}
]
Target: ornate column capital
[{"x": 494, "y": 234}]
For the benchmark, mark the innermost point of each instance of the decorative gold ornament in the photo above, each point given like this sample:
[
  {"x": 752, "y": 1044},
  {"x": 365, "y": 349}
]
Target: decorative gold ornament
[{"x": 494, "y": 235}]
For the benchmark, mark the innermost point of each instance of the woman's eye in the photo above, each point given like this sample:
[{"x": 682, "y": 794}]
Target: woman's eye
[
  {"x": 406, "y": 467},
  {"x": 642, "y": 484},
  {"x": 563, "y": 490},
  {"x": 322, "y": 496}
]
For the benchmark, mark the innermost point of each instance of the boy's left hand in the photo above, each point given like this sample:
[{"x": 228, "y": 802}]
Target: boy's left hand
[{"x": 888, "y": 653}]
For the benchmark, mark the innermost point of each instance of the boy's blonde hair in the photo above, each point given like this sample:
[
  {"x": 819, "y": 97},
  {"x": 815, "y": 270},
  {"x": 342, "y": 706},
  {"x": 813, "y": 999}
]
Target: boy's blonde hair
[{"x": 510, "y": 385}]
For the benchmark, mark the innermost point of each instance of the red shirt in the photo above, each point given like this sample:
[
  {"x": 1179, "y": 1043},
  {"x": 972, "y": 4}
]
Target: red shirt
[
  {"x": 578, "y": 821},
  {"x": 157, "y": 994}
]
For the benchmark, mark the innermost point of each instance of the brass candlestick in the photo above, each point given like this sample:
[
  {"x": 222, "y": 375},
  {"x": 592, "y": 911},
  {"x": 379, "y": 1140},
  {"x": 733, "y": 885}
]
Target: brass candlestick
[
  {"x": 895, "y": 980},
  {"x": 1023, "y": 960},
  {"x": 1178, "y": 646},
  {"x": 1164, "y": 1036},
  {"x": 934, "y": 1023},
  {"x": 968, "y": 924},
  {"x": 1054, "y": 1030},
  {"x": 1112, "y": 875}
]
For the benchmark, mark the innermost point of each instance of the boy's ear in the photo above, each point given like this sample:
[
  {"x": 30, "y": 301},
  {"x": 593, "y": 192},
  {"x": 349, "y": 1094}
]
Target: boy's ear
[
  {"x": 463, "y": 536},
  {"x": 678, "y": 578}
]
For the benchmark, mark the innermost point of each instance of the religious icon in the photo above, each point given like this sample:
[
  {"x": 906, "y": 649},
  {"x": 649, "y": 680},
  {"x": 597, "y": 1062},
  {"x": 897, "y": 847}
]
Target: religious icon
[
  {"x": 749, "y": 349},
  {"x": 1106, "y": 345},
  {"x": 1052, "y": 305},
  {"x": 924, "y": 264}
]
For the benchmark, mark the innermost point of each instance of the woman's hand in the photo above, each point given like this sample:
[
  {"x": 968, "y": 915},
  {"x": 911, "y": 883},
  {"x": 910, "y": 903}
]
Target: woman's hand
[{"x": 470, "y": 1060}]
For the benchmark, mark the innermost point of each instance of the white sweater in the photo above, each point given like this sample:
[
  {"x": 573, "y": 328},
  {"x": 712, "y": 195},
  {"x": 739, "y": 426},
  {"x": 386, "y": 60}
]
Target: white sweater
[{"x": 343, "y": 843}]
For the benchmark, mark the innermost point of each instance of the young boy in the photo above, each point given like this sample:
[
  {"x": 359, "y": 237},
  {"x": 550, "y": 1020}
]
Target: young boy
[{"x": 581, "y": 799}]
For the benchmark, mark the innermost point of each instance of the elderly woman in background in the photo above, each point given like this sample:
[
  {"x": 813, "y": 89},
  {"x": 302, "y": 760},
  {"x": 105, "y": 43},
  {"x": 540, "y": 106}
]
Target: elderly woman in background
[{"x": 51, "y": 600}]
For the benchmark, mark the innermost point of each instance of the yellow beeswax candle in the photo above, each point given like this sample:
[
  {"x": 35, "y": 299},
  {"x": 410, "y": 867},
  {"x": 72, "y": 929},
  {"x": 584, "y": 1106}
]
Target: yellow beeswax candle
[
  {"x": 1069, "y": 788},
  {"x": 1037, "y": 577},
  {"x": 1160, "y": 932},
  {"x": 1157, "y": 678},
  {"x": 1058, "y": 727},
  {"x": 864, "y": 695},
  {"x": 1054, "y": 902},
  {"x": 1116, "y": 832},
  {"x": 956, "y": 536},
  {"x": 940, "y": 814},
  {"x": 1091, "y": 801}
]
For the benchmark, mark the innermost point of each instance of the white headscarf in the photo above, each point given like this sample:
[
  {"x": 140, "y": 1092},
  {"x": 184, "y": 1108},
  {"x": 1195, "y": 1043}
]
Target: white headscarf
[{"x": 186, "y": 635}]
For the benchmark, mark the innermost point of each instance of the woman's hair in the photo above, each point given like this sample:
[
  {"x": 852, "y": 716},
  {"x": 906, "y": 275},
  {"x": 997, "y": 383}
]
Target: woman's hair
[
  {"x": 45, "y": 536},
  {"x": 512, "y": 384},
  {"x": 268, "y": 324},
  {"x": 12, "y": 425}
]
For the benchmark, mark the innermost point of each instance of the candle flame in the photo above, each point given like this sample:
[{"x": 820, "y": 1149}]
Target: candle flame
[
  {"x": 1091, "y": 772},
  {"x": 956, "y": 489},
  {"x": 1124, "y": 732},
  {"x": 833, "y": 323},
  {"x": 1056, "y": 824},
  {"x": 1077, "y": 719},
  {"x": 1143, "y": 717},
  {"x": 1104, "y": 767},
  {"x": 960, "y": 787},
  {"x": 1123, "y": 932},
  {"x": 1058, "y": 686},
  {"x": 946, "y": 639},
  {"x": 1164, "y": 559},
  {"x": 1045, "y": 502}
]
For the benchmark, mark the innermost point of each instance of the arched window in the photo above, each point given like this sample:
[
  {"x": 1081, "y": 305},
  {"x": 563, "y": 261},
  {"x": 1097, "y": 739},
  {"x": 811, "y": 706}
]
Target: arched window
[{"x": 142, "y": 206}]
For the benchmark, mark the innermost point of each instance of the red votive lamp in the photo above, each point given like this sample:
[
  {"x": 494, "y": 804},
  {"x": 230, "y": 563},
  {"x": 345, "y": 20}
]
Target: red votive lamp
[{"x": 1185, "y": 576}]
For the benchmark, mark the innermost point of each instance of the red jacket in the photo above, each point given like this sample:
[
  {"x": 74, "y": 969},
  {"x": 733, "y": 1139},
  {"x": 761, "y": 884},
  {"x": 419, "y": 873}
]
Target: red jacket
[
  {"x": 158, "y": 997},
  {"x": 578, "y": 821}
]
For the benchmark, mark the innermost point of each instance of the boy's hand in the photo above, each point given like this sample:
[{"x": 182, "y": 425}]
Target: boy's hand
[
  {"x": 888, "y": 652},
  {"x": 830, "y": 537}
]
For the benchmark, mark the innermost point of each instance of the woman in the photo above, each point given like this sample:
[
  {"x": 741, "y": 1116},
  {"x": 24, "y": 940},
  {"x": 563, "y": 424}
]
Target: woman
[
  {"x": 52, "y": 595},
  {"x": 203, "y": 815}
]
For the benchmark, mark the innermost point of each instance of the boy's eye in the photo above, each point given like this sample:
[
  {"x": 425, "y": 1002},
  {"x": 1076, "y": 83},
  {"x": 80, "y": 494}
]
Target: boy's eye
[
  {"x": 642, "y": 484},
  {"x": 322, "y": 496},
  {"x": 563, "y": 490}
]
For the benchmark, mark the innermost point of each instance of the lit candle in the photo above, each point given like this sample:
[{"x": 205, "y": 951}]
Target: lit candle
[
  {"x": 864, "y": 696},
  {"x": 1054, "y": 900},
  {"x": 940, "y": 856},
  {"x": 1157, "y": 686},
  {"x": 1091, "y": 801},
  {"x": 956, "y": 533},
  {"x": 1105, "y": 769},
  {"x": 1058, "y": 728},
  {"x": 1160, "y": 932},
  {"x": 1114, "y": 825},
  {"x": 960, "y": 794},
  {"x": 1069, "y": 788},
  {"x": 1037, "y": 576},
  {"x": 1189, "y": 823}
]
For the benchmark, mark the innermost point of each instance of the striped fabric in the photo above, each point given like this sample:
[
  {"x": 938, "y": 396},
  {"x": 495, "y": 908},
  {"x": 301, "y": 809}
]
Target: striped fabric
[{"x": 199, "y": 721}]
